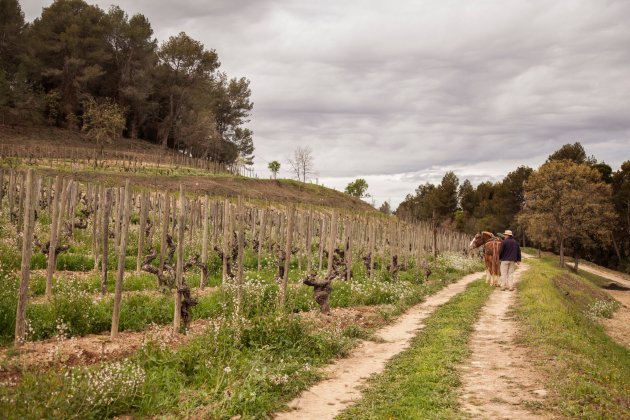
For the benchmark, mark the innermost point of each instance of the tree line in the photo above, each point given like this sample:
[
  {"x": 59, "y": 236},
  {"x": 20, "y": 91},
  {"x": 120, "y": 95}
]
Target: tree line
[
  {"x": 79, "y": 67},
  {"x": 573, "y": 205}
]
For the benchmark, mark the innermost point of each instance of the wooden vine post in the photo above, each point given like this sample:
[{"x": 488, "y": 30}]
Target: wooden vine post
[
  {"x": 226, "y": 239},
  {"x": 1, "y": 186},
  {"x": 332, "y": 244},
  {"x": 119, "y": 216},
  {"x": 309, "y": 240},
  {"x": 27, "y": 252},
  {"x": 106, "y": 199},
  {"x": 287, "y": 260},
  {"x": 164, "y": 230},
  {"x": 435, "y": 230},
  {"x": 98, "y": 206},
  {"x": 52, "y": 255},
  {"x": 349, "y": 232},
  {"x": 63, "y": 205},
  {"x": 261, "y": 236},
  {"x": 322, "y": 235},
  {"x": 20, "y": 209},
  {"x": 122, "y": 252},
  {"x": 179, "y": 273},
  {"x": 72, "y": 207},
  {"x": 204, "y": 237},
  {"x": 371, "y": 254},
  {"x": 241, "y": 242},
  {"x": 11, "y": 192},
  {"x": 141, "y": 230}
]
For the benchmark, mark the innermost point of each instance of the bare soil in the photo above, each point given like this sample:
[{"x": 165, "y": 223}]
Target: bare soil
[
  {"x": 366, "y": 317},
  {"x": 45, "y": 136},
  {"x": 499, "y": 380},
  {"x": 346, "y": 377},
  {"x": 80, "y": 351}
]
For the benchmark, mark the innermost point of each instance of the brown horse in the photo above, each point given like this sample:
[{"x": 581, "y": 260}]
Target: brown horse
[{"x": 491, "y": 246}]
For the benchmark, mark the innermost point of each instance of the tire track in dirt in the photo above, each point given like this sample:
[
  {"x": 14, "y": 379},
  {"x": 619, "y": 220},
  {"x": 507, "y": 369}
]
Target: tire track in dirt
[
  {"x": 346, "y": 377},
  {"x": 499, "y": 381}
]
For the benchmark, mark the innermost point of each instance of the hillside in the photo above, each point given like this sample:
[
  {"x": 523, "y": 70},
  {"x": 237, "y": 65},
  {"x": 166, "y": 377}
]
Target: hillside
[{"x": 195, "y": 180}]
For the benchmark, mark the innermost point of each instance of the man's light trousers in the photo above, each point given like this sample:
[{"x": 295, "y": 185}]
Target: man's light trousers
[{"x": 507, "y": 274}]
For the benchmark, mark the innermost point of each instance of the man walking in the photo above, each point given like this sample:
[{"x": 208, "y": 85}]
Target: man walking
[{"x": 510, "y": 256}]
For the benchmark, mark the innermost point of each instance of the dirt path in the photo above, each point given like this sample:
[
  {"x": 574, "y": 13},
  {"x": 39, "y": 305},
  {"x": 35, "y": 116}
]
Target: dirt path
[
  {"x": 609, "y": 274},
  {"x": 498, "y": 381},
  {"x": 346, "y": 377},
  {"x": 618, "y": 327}
]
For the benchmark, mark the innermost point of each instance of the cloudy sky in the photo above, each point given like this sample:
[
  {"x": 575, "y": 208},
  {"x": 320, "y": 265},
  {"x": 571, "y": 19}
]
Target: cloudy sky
[{"x": 400, "y": 92}]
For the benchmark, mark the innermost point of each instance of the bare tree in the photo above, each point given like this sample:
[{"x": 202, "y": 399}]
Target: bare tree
[{"x": 302, "y": 163}]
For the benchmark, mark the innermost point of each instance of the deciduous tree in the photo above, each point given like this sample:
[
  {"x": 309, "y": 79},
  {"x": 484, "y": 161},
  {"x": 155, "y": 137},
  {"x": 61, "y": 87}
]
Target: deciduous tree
[
  {"x": 302, "y": 163},
  {"x": 274, "y": 167},
  {"x": 103, "y": 121},
  {"x": 621, "y": 199},
  {"x": 567, "y": 204},
  {"x": 358, "y": 188}
]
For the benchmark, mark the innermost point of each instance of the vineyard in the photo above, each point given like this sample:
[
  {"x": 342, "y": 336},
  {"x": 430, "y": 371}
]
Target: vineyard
[
  {"x": 178, "y": 268},
  {"x": 211, "y": 211}
]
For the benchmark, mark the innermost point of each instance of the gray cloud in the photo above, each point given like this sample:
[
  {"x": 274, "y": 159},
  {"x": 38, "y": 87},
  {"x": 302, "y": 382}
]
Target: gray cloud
[{"x": 399, "y": 93}]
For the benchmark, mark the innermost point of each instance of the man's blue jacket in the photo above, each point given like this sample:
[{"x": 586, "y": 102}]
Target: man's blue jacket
[{"x": 510, "y": 250}]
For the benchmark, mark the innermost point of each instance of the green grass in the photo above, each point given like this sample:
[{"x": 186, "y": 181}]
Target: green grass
[
  {"x": 91, "y": 283},
  {"x": 588, "y": 371},
  {"x": 248, "y": 371},
  {"x": 251, "y": 369},
  {"x": 422, "y": 381},
  {"x": 78, "y": 307}
]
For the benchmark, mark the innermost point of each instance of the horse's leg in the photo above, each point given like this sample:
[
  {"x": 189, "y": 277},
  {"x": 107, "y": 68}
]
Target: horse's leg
[{"x": 497, "y": 265}]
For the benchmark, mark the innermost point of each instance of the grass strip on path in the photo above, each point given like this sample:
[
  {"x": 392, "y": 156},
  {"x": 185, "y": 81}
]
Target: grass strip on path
[
  {"x": 422, "y": 381},
  {"x": 589, "y": 373}
]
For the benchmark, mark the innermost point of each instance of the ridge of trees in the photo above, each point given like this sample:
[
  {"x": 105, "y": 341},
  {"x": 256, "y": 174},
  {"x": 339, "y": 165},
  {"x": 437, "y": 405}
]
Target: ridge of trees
[
  {"x": 75, "y": 57},
  {"x": 572, "y": 204}
]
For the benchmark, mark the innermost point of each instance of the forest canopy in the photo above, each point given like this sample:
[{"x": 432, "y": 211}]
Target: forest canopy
[
  {"x": 77, "y": 59},
  {"x": 573, "y": 203}
]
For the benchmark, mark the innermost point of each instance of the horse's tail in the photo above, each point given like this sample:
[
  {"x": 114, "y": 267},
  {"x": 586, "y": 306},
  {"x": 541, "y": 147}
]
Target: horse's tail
[{"x": 496, "y": 246}]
